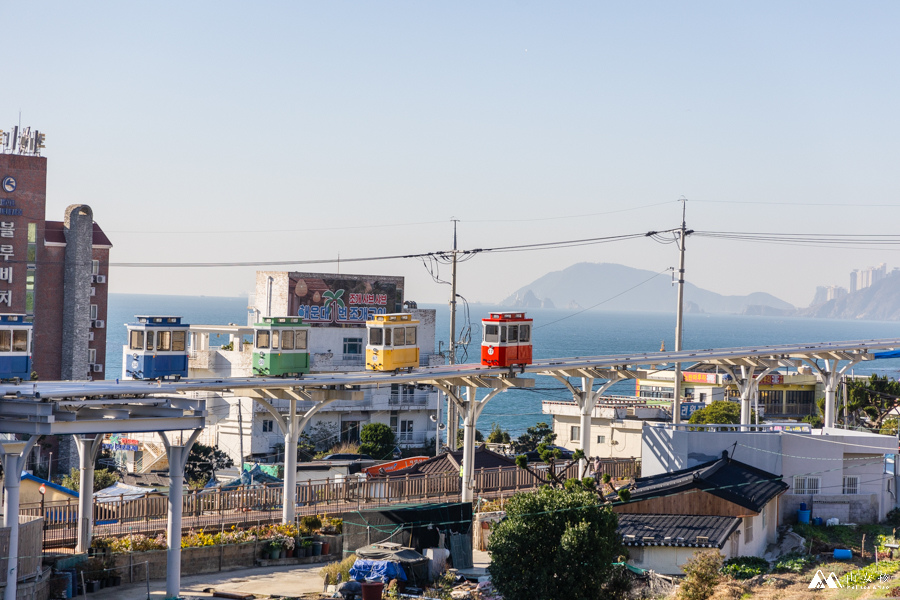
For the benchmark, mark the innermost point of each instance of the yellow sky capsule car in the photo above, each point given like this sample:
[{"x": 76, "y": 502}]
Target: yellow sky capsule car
[{"x": 393, "y": 342}]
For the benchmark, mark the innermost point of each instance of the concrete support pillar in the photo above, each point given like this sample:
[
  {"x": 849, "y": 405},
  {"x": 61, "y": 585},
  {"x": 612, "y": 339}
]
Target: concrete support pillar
[
  {"x": 830, "y": 376},
  {"x": 291, "y": 436},
  {"x": 178, "y": 456},
  {"x": 13, "y": 456},
  {"x": 586, "y": 403},
  {"x": 471, "y": 410},
  {"x": 829, "y": 402},
  {"x": 88, "y": 446}
]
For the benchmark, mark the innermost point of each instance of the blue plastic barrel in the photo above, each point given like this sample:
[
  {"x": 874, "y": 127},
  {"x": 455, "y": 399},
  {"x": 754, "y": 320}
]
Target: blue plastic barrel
[
  {"x": 803, "y": 516},
  {"x": 841, "y": 554}
]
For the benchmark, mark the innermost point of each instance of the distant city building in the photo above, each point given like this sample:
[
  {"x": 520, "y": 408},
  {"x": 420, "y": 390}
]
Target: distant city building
[
  {"x": 825, "y": 293},
  {"x": 861, "y": 279}
]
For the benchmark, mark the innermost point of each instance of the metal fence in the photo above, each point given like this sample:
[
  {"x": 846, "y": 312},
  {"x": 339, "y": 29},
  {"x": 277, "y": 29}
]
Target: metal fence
[{"x": 243, "y": 507}]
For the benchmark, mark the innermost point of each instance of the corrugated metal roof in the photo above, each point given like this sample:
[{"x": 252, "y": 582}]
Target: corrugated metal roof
[
  {"x": 700, "y": 531},
  {"x": 726, "y": 478},
  {"x": 450, "y": 462}
]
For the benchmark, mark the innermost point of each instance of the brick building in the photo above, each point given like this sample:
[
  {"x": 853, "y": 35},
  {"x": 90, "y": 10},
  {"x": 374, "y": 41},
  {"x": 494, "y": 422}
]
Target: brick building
[{"x": 54, "y": 272}]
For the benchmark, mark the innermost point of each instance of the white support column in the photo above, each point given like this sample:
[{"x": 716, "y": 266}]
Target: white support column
[
  {"x": 830, "y": 375},
  {"x": 586, "y": 401},
  {"x": 469, "y": 420},
  {"x": 178, "y": 456},
  {"x": 13, "y": 456},
  {"x": 88, "y": 446},
  {"x": 291, "y": 426},
  {"x": 289, "y": 494},
  {"x": 471, "y": 410}
]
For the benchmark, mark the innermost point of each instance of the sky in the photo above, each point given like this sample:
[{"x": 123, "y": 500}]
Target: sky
[{"x": 228, "y": 132}]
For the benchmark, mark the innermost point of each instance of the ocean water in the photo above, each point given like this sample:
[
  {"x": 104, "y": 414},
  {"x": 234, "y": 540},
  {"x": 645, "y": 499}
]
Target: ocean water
[{"x": 557, "y": 333}]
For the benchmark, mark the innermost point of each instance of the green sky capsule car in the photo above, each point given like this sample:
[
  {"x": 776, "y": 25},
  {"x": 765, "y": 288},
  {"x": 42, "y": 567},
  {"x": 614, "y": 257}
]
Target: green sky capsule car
[{"x": 280, "y": 347}]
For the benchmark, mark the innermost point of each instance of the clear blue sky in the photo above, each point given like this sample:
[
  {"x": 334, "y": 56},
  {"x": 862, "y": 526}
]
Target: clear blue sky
[{"x": 195, "y": 129}]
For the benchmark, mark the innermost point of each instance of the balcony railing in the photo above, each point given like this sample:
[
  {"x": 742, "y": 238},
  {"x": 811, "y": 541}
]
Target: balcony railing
[
  {"x": 409, "y": 399},
  {"x": 791, "y": 427}
]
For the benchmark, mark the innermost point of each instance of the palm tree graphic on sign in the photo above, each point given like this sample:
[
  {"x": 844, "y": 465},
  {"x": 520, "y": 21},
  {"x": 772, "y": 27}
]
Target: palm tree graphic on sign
[{"x": 333, "y": 299}]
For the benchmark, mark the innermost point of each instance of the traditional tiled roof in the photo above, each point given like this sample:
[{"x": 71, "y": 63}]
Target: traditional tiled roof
[
  {"x": 726, "y": 478},
  {"x": 694, "y": 531},
  {"x": 54, "y": 234}
]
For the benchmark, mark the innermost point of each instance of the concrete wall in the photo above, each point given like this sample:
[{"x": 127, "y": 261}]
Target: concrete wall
[{"x": 622, "y": 437}]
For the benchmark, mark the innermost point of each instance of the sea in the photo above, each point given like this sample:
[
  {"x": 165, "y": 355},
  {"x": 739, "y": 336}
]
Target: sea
[{"x": 557, "y": 333}]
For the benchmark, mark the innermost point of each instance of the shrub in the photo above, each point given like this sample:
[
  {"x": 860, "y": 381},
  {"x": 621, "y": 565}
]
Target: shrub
[
  {"x": 331, "y": 571},
  {"x": 311, "y": 522},
  {"x": 795, "y": 562},
  {"x": 893, "y": 517},
  {"x": 745, "y": 567},
  {"x": 701, "y": 575},
  {"x": 554, "y": 544}
]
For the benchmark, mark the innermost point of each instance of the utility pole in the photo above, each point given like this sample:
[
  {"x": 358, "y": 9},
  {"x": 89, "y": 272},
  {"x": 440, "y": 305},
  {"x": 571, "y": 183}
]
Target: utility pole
[
  {"x": 452, "y": 417},
  {"x": 679, "y": 313}
]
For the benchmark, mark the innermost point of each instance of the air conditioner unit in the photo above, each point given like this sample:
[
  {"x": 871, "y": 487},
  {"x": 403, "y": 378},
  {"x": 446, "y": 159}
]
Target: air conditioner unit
[
  {"x": 98, "y": 324},
  {"x": 97, "y": 368},
  {"x": 100, "y": 278},
  {"x": 90, "y": 336},
  {"x": 93, "y": 291}
]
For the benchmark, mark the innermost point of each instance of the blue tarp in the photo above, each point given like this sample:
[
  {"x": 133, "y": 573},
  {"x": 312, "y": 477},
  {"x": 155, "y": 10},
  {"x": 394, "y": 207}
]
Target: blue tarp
[{"x": 377, "y": 570}]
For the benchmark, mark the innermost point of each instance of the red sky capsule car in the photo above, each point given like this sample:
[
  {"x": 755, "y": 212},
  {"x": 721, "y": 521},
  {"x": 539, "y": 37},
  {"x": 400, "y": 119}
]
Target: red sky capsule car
[{"x": 506, "y": 340}]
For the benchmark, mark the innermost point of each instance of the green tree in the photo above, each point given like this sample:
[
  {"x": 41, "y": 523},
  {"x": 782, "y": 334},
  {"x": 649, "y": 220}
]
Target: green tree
[
  {"x": 555, "y": 544},
  {"x": 103, "y": 478},
  {"x": 541, "y": 433},
  {"x": 720, "y": 412},
  {"x": 461, "y": 434},
  {"x": 203, "y": 461},
  {"x": 875, "y": 397},
  {"x": 498, "y": 436},
  {"x": 377, "y": 440}
]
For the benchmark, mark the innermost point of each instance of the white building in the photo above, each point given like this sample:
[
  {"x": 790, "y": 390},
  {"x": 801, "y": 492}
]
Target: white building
[
  {"x": 615, "y": 430},
  {"x": 337, "y": 342},
  {"x": 837, "y": 473}
]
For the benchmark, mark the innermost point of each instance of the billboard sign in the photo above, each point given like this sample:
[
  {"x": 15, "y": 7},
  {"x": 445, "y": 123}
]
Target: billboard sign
[
  {"x": 689, "y": 408},
  {"x": 351, "y": 300}
]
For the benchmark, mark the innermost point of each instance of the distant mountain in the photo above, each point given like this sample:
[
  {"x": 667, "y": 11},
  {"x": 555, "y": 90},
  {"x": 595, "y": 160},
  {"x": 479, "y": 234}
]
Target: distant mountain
[
  {"x": 879, "y": 302},
  {"x": 628, "y": 289}
]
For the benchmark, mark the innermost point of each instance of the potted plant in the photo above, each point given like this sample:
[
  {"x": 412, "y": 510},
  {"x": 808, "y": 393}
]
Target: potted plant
[
  {"x": 274, "y": 548},
  {"x": 307, "y": 547},
  {"x": 289, "y": 544}
]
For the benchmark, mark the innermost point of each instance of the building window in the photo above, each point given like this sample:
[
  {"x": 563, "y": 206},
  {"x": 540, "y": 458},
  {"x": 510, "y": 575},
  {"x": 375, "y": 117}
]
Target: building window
[
  {"x": 806, "y": 485},
  {"x": 353, "y": 345},
  {"x": 31, "y": 250},
  {"x": 851, "y": 484},
  {"x": 95, "y": 267},
  {"x": 748, "y": 530},
  {"x": 394, "y": 422},
  {"x": 92, "y": 358},
  {"x": 29, "y": 290},
  {"x": 575, "y": 432},
  {"x": 350, "y": 431},
  {"x": 93, "y": 311},
  {"x": 601, "y": 439},
  {"x": 406, "y": 431},
  {"x": 268, "y": 425}
]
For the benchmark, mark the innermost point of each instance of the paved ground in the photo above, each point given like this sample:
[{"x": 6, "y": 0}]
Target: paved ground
[{"x": 290, "y": 580}]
